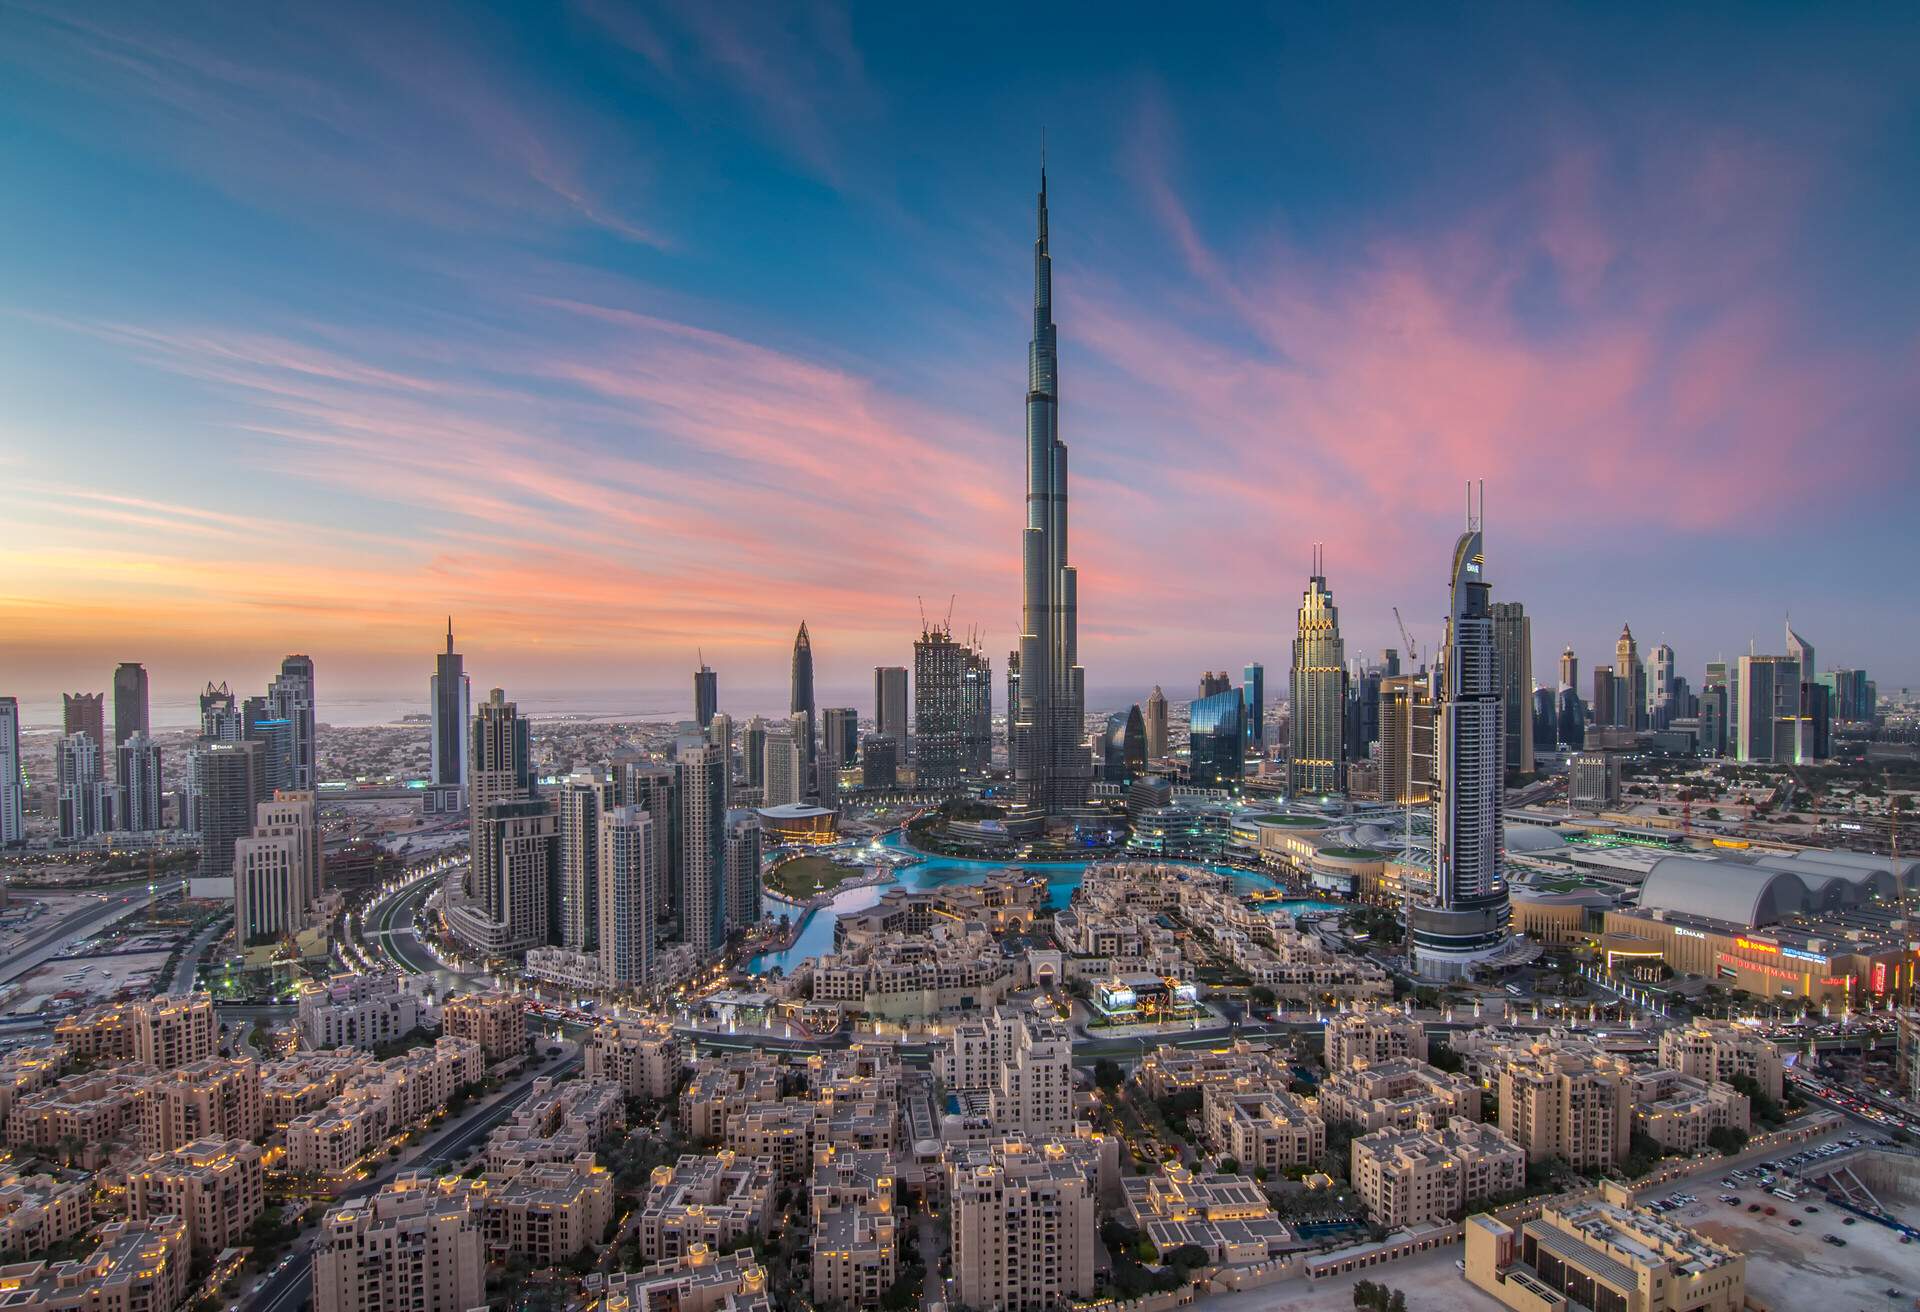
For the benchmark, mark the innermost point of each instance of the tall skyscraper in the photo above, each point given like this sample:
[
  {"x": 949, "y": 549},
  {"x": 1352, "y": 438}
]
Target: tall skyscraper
[
  {"x": 976, "y": 713},
  {"x": 507, "y": 903},
  {"x": 276, "y": 869},
  {"x": 1605, "y": 714},
  {"x": 583, "y": 799},
  {"x": 627, "y": 896},
  {"x": 450, "y": 710},
  {"x": 1216, "y": 742},
  {"x": 85, "y": 712},
  {"x": 13, "y": 792},
  {"x": 1630, "y": 687},
  {"x": 803, "y": 703},
  {"x": 1253, "y": 688},
  {"x": 784, "y": 771},
  {"x": 220, "y": 718},
  {"x": 1047, "y": 729},
  {"x": 1123, "y": 747},
  {"x": 1156, "y": 718},
  {"x": 939, "y": 678},
  {"x": 1389, "y": 663},
  {"x": 77, "y": 775},
  {"x": 840, "y": 737},
  {"x": 654, "y": 788},
  {"x": 1571, "y": 717},
  {"x": 1809, "y": 733},
  {"x": 1406, "y": 740},
  {"x": 1363, "y": 710},
  {"x": 1765, "y": 720},
  {"x": 743, "y": 869},
  {"x": 291, "y": 697},
  {"x": 706, "y": 694},
  {"x": 753, "y": 751},
  {"x": 137, "y": 772},
  {"x": 130, "y": 705},
  {"x": 1569, "y": 669},
  {"x": 1545, "y": 720},
  {"x": 1513, "y": 640},
  {"x": 1213, "y": 684},
  {"x": 701, "y": 780},
  {"x": 1317, "y": 742},
  {"x": 890, "y": 703},
  {"x": 1465, "y": 920},
  {"x": 1661, "y": 688},
  {"x": 226, "y": 786}
]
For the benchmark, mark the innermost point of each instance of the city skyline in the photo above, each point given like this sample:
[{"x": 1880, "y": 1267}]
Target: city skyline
[{"x": 352, "y": 411}]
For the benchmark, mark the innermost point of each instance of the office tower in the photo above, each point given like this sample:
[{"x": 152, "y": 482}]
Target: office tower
[
  {"x": 753, "y": 751},
  {"x": 879, "y": 761},
  {"x": 939, "y": 675},
  {"x": 1851, "y": 702},
  {"x": 137, "y": 772},
  {"x": 1513, "y": 643},
  {"x": 1216, "y": 751},
  {"x": 1047, "y": 728},
  {"x": 220, "y": 715},
  {"x": 13, "y": 792},
  {"x": 1605, "y": 715},
  {"x": 706, "y": 694},
  {"x": 226, "y": 787},
  {"x": 1807, "y": 744},
  {"x": 276, "y": 873},
  {"x": 839, "y": 737},
  {"x": 743, "y": 869},
  {"x": 720, "y": 734},
  {"x": 292, "y": 700},
  {"x": 514, "y": 838},
  {"x": 1406, "y": 740},
  {"x": 1544, "y": 720},
  {"x": 500, "y": 768},
  {"x": 450, "y": 710},
  {"x": 1466, "y": 919},
  {"x": 1156, "y": 721},
  {"x": 1630, "y": 690},
  {"x": 654, "y": 788},
  {"x": 1661, "y": 687},
  {"x": 130, "y": 707},
  {"x": 583, "y": 799},
  {"x": 1253, "y": 687},
  {"x": 1389, "y": 663},
  {"x": 76, "y": 770},
  {"x": 1569, "y": 669},
  {"x": 783, "y": 772},
  {"x": 1316, "y": 745},
  {"x": 1765, "y": 719},
  {"x": 1571, "y": 717},
  {"x": 976, "y": 713},
  {"x": 279, "y": 765},
  {"x": 700, "y": 775},
  {"x": 85, "y": 712},
  {"x": 1123, "y": 747},
  {"x": 1212, "y": 684},
  {"x": 890, "y": 702},
  {"x": 1363, "y": 710},
  {"x": 803, "y": 704},
  {"x": 627, "y": 895}
]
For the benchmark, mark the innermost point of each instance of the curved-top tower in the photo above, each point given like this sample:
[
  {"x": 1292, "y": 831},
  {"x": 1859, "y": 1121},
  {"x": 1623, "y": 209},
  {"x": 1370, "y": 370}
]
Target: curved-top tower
[
  {"x": 1047, "y": 733},
  {"x": 1465, "y": 920}
]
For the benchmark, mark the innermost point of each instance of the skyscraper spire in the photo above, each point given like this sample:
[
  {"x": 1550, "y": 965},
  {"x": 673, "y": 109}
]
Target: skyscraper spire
[
  {"x": 1047, "y": 729},
  {"x": 449, "y": 635}
]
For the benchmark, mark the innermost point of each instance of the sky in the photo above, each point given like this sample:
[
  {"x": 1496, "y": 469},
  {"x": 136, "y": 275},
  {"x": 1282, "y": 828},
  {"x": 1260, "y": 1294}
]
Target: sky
[{"x": 624, "y": 333}]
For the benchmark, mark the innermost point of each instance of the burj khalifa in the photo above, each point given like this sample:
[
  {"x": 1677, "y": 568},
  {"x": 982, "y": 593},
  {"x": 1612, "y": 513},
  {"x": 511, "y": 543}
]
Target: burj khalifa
[{"x": 1052, "y": 768}]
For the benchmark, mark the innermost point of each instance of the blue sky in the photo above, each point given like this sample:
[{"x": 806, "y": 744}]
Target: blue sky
[{"x": 624, "y": 330}]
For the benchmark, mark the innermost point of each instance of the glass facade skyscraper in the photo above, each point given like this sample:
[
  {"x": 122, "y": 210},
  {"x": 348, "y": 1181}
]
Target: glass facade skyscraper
[{"x": 1216, "y": 740}]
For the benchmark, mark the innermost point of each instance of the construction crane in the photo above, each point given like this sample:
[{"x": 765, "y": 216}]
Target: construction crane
[{"x": 1413, "y": 648}]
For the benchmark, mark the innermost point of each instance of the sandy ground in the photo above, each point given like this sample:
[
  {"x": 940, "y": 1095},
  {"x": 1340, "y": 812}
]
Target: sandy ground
[
  {"x": 1794, "y": 1268},
  {"x": 103, "y": 976},
  {"x": 1431, "y": 1283}
]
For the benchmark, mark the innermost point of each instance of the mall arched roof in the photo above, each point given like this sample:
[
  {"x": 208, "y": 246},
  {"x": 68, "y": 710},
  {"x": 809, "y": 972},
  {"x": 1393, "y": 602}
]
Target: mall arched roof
[
  {"x": 1903, "y": 875},
  {"x": 1818, "y": 874},
  {"x": 1738, "y": 892},
  {"x": 1532, "y": 838}
]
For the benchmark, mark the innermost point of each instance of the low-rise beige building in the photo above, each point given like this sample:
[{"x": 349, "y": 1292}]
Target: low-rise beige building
[
  {"x": 1229, "y": 1216},
  {"x": 1719, "y": 1050},
  {"x": 330, "y": 1142},
  {"x": 218, "y": 1098},
  {"x": 1680, "y": 1113},
  {"x": 710, "y": 1199},
  {"x": 79, "y": 1114},
  {"x": 1262, "y": 1128},
  {"x": 1372, "y": 1036},
  {"x": 557, "y": 1123},
  {"x": 38, "y": 1211},
  {"x": 1562, "y": 1096},
  {"x": 139, "y": 1266},
  {"x": 217, "y": 1187},
  {"x": 1398, "y": 1093},
  {"x": 722, "y": 1087},
  {"x": 164, "y": 1032},
  {"x": 1167, "y": 1070},
  {"x": 496, "y": 1021},
  {"x": 1024, "y": 1225},
  {"x": 307, "y": 1083},
  {"x": 643, "y": 1057},
  {"x": 418, "y": 1249},
  {"x": 700, "y": 1281},
  {"x": 1602, "y": 1254},
  {"x": 851, "y": 1201},
  {"x": 29, "y": 1069},
  {"x": 1409, "y": 1177}
]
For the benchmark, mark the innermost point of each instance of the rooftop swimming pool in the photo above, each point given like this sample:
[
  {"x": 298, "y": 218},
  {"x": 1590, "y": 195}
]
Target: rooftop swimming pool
[{"x": 816, "y": 931}]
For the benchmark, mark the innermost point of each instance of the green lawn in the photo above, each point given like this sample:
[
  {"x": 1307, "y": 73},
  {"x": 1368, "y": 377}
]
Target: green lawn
[{"x": 796, "y": 879}]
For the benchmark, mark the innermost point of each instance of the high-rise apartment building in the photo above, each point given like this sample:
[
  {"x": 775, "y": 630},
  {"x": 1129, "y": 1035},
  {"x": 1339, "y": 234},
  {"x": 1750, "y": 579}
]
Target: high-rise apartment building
[
  {"x": 1253, "y": 689},
  {"x": 654, "y": 788},
  {"x": 85, "y": 712},
  {"x": 1606, "y": 714},
  {"x": 890, "y": 703},
  {"x": 82, "y": 797},
  {"x": 1317, "y": 738},
  {"x": 743, "y": 869},
  {"x": 627, "y": 897},
  {"x": 1406, "y": 740},
  {"x": 1513, "y": 639},
  {"x": 291, "y": 697},
  {"x": 13, "y": 792},
  {"x": 1660, "y": 685},
  {"x": 701, "y": 780},
  {"x": 706, "y": 694},
  {"x": 1809, "y": 722},
  {"x": 939, "y": 675},
  {"x": 879, "y": 762},
  {"x": 220, "y": 715},
  {"x": 583, "y": 799},
  {"x": 277, "y": 869},
  {"x": 784, "y": 770},
  {"x": 226, "y": 787},
  {"x": 131, "y": 712},
  {"x": 450, "y": 712},
  {"x": 1465, "y": 920},
  {"x": 802, "y": 703},
  {"x": 1156, "y": 718},
  {"x": 507, "y": 901},
  {"x": 976, "y": 713},
  {"x": 1047, "y": 727},
  {"x": 137, "y": 777},
  {"x": 753, "y": 751},
  {"x": 839, "y": 737}
]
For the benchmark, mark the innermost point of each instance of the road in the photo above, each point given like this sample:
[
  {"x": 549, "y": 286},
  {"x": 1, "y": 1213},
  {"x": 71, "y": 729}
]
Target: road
[
  {"x": 50, "y": 942},
  {"x": 292, "y": 1285},
  {"x": 387, "y": 929},
  {"x": 183, "y": 974}
]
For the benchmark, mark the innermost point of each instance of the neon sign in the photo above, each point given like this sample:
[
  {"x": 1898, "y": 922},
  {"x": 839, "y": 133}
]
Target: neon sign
[{"x": 1755, "y": 945}]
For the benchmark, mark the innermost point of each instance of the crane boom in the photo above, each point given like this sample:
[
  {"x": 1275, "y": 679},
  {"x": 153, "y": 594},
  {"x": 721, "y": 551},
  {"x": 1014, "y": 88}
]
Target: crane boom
[{"x": 1413, "y": 649}]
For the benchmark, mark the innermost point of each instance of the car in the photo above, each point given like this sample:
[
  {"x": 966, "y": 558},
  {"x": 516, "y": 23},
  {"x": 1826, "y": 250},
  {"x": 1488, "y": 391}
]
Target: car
[
  {"x": 1846, "y": 1220},
  {"x": 1795, "y": 1221},
  {"x": 1836, "y": 1241},
  {"x": 1731, "y": 1200},
  {"x": 1813, "y": 1211},
  {"x": 1770, "y": 1211},
  {"x": 1753, "y": 1207}
]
